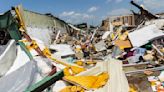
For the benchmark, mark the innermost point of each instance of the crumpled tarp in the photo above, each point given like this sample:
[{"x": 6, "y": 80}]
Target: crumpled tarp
[
  {"x": 7, "y": 57},
  {"x": 21, "y": 60},
  {"x": 2, "y": 48}
]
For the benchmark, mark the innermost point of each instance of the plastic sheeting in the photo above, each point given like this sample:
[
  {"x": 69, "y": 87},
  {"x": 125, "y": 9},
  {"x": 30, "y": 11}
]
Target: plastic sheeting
[
  {"x": 2, "y": 48},
  {"x": 21, "y": 59},
  {"x": 18, "y": 80},
  {"x": 7, "y": 57}
]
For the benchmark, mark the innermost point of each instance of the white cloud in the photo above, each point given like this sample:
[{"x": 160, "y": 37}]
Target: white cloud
[
  {"x": 68, "y": 13},
  {"x": 117, "y": 1},
  {"x": 120, "y": 11},
  {"x": 108, "y": 1},
  {"x": 152, "y": 5},
  {"x": 93, "y": 9},
  {"x": 138, "y": 0},
  {"x": 75, "y": 17}
]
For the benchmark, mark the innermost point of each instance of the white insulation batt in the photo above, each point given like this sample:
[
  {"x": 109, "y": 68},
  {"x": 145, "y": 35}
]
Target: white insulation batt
[
  {"x": 144, "y": 35},
  {"x": 43, "y": 34},
  {"x": 44, "y": 65}
]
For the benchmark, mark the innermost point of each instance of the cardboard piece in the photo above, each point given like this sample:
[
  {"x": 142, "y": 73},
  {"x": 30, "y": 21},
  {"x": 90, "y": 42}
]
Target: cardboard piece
[{"x": 123, "y": 44}]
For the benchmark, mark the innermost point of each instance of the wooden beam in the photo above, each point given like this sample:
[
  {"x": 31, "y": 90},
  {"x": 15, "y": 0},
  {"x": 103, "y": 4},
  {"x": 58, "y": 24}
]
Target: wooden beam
[{"x": 142, "y": 70}]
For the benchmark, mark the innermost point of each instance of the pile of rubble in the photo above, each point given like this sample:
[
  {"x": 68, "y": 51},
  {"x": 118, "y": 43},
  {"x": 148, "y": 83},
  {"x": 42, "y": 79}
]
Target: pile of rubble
[{"x": 121, "y": 59}]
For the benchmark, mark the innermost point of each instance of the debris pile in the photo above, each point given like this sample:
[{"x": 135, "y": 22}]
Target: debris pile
[{"x": 53, "y": 55}]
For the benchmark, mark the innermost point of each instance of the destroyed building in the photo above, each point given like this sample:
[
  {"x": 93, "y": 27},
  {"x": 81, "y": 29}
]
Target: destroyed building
[{"x": 42, "y": 53}]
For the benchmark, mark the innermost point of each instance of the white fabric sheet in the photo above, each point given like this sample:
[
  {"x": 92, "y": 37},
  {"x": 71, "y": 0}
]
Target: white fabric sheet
[
  {"x": 18, "y": 80},
  {"x": 7, "y": 57}
]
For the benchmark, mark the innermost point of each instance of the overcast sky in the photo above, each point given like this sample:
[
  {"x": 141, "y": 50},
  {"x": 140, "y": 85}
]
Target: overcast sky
[{"x": 78, "y": 11}]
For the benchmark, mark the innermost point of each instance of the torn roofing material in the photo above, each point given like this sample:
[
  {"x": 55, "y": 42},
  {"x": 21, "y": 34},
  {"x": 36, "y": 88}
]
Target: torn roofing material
[{"x": 144, "y": 35}]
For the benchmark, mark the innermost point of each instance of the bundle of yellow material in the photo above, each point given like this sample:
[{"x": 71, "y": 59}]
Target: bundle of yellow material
[
  {"x": 89, "y": 82},
  {"x": 102, "y": 79},
  {"x": 30, "y": 45},
  {"x": 82, "y": 63},
  {"x": 72, "y": 70},
  {"x": 47, "y": 52},
  {"x": 69, "y": 70},
  {"x": 133, "y": 88},
  {"x": 123, "y": 36},
  {"x": 78, "y": 48},
  {"x": 72, "y": 89},
  {"x": 112, "y": 36},
  {"x": 115, "y": 34},
  {"x": 91, "y": 62}
]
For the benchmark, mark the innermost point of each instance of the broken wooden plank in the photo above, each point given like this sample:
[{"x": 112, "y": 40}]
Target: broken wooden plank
[
  {"x": 142, "y": 70},
  {"x": 135, "y": 64}
]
